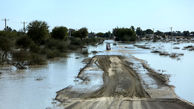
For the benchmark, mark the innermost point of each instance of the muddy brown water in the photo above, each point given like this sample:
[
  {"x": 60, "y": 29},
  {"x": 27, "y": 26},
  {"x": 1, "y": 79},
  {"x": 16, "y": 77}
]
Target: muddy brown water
[{"x": 36, "y": 87}]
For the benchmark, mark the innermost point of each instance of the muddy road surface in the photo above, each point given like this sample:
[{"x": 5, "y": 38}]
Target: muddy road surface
[{"x": 127, "y": 83}]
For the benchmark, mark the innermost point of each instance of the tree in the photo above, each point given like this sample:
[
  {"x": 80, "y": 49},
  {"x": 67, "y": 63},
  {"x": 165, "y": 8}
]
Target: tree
[
  {"x": 192, "y": 33},
  {"x": 71, "y": 32},
  {"x": 20, "y": 56},
  {"x": 81, "y": 33},
  {"x": 100, "y": 34},
  {"x": 107, "y": 34},
  {"x": 149, "y": 31},
  {"x": 5, "y": 47},
  {"x": 139, "y": 31},
  {"x": 24, "y": 42},
  {"x": 179, "y": 33},
  {"x": 132, "y": 28},
  {"x": 8, "y": 29},
  {"x": 59, "y": 33},
  {"x": 124, "y": 34},
  {"x": 38, "y": 31},
  {"x": 159, "y": 33},
  {"x": 186, "y": 33}
]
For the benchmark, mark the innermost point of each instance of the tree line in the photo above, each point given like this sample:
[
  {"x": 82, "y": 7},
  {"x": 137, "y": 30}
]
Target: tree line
[
  {"x": 141, "y": 32},
  {"x": 38, "y": 44}
]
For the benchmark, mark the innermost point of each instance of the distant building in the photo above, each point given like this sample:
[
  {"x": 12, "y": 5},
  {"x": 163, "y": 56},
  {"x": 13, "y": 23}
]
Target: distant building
[{"x": 91, "y": 35}]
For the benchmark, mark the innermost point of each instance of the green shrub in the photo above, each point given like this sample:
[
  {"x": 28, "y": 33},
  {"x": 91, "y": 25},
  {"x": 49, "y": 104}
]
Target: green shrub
[
  {"x": 76, "y": 41},
  {"x": 60, "y": 45},
  {"x": 53, "y": 53},
  {"x": 24, "y": 42},
  {"x": 73, "y": 47},
  {"x": 5, "y": 48},
  {"x": 36, "y": 59},
  {"x": 5, "y": 44},
  {"x": 59, "y": 32},
  {"x": 20, "y": 56},
  {"x": 34, "y": 48},
  {"x": 12, "y": 35}
]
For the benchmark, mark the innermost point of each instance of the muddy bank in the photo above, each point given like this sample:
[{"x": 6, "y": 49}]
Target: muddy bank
[
  {"x": 123, "y": 85},
  {"x": 171, "y": 55},
  {"x": 164, "y": 53},
  {"x": 190, "y": 48}
]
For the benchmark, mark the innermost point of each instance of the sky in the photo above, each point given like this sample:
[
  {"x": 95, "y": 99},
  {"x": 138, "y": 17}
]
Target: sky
[{"x": 100, "y": 15}]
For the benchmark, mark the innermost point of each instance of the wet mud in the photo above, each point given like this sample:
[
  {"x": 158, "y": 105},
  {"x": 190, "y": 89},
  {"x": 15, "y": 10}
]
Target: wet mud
[{"x": 125, "y": 83}]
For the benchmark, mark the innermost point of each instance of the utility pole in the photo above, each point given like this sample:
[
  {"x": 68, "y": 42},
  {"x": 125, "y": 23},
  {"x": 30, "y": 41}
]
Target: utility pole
[
  {"x": 69, "y": 32},
  {"x": 171, "y": 30},
  {"x": 153, "y": 31},
  {"x": 5, "y": 20},
  {"x": 24, "y": 26},
  {"x": 171, "y": 37}
]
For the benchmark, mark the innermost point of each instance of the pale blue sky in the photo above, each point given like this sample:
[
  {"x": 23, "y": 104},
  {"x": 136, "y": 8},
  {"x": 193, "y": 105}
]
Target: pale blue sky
[{"x": 101, "y": 15}]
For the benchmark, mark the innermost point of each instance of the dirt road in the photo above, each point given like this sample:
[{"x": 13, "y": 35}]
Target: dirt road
[{"x": 124, "y": 87}]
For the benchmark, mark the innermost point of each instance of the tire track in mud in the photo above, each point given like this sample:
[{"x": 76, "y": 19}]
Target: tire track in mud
[
  {"x": 70, "y": 106},
  {"x": 114, "y": 104},
  {"x": 93, "y": 105},
  {"x": 136, "y": 104},
  {"x": 125, "y": 105},
  {"x": 119, "y": 78}
]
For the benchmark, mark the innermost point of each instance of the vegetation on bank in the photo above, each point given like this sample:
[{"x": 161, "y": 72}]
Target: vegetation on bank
[
  {"x": 125, "y": 34},
  {"x": 38, "y": 44}
]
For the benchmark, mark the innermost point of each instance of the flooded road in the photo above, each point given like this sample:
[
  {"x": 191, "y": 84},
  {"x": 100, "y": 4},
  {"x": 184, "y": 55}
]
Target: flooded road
[
  {"x": 180, "y": 70},
  {"x": 36, "y": 88}
]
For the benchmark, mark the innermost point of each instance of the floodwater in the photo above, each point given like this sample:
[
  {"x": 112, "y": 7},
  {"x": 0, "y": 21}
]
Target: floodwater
[
  {"x": 36, "y": 87},
  {"x": 181, "y": 71}
]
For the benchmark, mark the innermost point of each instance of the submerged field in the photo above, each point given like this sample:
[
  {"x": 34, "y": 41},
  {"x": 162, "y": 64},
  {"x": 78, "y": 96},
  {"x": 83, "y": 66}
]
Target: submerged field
[{"x": 123, "y": 76}]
